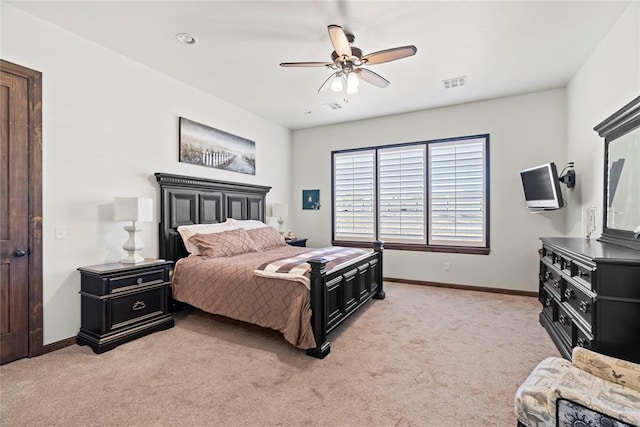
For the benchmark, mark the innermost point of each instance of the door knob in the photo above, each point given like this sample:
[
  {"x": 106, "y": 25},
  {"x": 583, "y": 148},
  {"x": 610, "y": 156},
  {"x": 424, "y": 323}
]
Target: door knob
[{"x": 19, "y": 253}]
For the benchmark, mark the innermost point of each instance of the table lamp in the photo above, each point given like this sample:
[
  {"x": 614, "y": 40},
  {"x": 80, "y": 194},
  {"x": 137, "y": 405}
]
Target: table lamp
[
  {"x": 135, "y": 209},
  {"x": 281, "y": 211}
]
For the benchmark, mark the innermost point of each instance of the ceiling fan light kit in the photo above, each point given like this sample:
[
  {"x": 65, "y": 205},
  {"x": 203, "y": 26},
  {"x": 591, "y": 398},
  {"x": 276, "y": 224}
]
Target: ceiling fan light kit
[{"x": 348, "y": 61}]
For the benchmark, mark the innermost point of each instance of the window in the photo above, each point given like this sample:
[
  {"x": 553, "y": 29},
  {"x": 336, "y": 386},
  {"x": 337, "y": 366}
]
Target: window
[
  {"x": 401, "y": 183},
  {"x": 429, "y": 195},
  {"x": 354, "y": 196}
]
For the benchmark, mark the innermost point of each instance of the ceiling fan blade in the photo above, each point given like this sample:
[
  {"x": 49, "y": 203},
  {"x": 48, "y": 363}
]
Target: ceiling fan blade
[
  {"x": 389, "y": 55},
  {"x": 339, "y": 40},
  {"x": 371, "y": 77},
  {"x": 306, "y": 64}
]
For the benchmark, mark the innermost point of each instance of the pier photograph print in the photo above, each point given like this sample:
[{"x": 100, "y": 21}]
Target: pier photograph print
[{"x": 206, "y": 146}]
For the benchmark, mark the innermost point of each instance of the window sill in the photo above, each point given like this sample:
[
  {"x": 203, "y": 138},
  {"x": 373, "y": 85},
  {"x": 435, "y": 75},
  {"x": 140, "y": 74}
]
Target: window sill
[{"x": 418, "y": 248}]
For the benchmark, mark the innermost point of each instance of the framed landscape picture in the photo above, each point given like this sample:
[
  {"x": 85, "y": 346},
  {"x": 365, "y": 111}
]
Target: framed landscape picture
[{"x": 206, "y": 146}]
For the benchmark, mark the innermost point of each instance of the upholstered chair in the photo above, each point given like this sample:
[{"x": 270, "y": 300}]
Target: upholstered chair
[{"x": 593, "y": 390}]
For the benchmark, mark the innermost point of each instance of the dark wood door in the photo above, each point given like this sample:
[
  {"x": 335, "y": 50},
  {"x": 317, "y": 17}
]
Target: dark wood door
[
  {"x": 14, "y": 217},
  {"x": 20, "y": 212}
]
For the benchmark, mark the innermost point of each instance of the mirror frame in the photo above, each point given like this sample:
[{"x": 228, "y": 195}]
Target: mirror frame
[{"x": 620, "y": 123}]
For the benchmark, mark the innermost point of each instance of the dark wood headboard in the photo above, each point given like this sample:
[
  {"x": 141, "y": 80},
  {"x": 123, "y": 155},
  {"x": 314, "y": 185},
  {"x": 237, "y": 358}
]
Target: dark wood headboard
[{"x": 186, "y": 200}]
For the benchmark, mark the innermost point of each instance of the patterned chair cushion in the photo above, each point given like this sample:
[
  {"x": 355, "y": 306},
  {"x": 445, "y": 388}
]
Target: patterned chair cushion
[{"x": 223, "y": 244}]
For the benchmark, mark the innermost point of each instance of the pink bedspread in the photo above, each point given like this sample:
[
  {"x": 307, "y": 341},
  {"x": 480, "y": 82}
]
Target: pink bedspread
[{"x": 228, "y": 286}]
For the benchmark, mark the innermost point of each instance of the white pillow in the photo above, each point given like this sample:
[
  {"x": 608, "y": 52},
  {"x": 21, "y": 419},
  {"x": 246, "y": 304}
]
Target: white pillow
[
  {"x": 247, "y": 224},
  {"x": 186, "y": 231}
]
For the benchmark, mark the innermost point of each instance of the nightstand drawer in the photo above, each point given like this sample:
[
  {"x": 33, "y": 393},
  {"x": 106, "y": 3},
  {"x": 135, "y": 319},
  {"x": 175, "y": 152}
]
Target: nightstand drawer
[
  {"x": 137, "y": 307},
  {"x": 150, "y": 277}
]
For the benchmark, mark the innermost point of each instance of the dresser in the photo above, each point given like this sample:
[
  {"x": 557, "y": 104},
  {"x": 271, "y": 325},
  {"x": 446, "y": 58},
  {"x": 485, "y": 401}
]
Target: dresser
[
  {"x": 121, "y": 302},
  {"x": 590, "y": 296}
]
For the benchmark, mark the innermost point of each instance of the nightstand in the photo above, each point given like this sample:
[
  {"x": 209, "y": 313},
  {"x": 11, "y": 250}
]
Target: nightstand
[
  {"x": 297, "y": 242},
  {"x": 121, "y": 302}
]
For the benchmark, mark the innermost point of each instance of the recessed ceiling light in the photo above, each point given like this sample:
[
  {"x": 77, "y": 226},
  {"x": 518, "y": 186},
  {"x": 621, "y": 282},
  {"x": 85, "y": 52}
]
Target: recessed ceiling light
[
  {"x": 186, "y": 38},
  {"x": 307, "y": 111}
]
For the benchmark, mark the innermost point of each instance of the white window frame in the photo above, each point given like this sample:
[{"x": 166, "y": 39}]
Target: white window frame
[
  {"x": 412, "y": 160},
  {"x": 476, "y": 245},
  {"x": 461, "y": 212},
  {"x": 356, "y": 206}
]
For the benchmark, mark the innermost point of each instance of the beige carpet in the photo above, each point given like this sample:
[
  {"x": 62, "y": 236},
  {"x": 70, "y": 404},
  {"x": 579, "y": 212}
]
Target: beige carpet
[{"x": 422, "y": 357}]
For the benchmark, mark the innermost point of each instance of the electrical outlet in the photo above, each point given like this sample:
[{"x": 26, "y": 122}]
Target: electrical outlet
[
  {"x": 61, "y": 232},
  {"x": 447, "y": 266}
]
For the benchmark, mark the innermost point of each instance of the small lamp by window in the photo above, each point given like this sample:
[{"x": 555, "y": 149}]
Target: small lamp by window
[
  {"x": 281, "y": 211},
  {"x": 134, "y": 209}
]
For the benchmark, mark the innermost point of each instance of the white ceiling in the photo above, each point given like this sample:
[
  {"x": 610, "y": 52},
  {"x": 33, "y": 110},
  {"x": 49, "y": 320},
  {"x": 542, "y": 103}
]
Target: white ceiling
[{"x": 503, "y": 48}]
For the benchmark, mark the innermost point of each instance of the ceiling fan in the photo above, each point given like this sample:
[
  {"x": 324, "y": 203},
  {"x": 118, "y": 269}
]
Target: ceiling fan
[{"x": 348, "y": 61}]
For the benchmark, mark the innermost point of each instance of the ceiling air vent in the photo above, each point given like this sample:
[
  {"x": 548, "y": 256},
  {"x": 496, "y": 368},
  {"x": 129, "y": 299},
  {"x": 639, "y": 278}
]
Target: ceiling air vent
[
  {"x": 454, "y": 82},
  {"x": 332, "y": 106}
]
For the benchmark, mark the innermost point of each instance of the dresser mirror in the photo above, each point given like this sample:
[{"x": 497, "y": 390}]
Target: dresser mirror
[{"x": 621, "y": 202}]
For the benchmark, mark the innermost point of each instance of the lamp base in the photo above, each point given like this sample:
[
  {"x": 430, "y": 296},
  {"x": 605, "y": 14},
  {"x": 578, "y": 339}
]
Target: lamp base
[
  {"x": 132, "y": 258},
  {"x": 132, "y": 246}
]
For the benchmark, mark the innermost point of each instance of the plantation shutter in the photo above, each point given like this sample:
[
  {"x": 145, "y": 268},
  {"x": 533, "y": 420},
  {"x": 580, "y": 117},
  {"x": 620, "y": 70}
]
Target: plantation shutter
[
  {"x": 354, "y": 196},
  {"x": 457, "y": 199},
  {"x": 401, "y": 191}
]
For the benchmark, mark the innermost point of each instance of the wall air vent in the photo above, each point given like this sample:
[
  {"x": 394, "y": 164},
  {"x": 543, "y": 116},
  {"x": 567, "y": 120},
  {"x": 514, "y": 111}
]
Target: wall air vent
[{"x": 454, "y": 82}]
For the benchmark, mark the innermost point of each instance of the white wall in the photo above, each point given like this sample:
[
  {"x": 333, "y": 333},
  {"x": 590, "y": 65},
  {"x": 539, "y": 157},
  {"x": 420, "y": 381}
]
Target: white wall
[
  {"x": 608, "y": 80},
  {"x": 108, "y": 124},
  {"x": 524, "y": 131}
]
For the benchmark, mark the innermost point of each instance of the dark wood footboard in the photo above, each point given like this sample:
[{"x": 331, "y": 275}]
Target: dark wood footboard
[{"x": 340, "y": 292}]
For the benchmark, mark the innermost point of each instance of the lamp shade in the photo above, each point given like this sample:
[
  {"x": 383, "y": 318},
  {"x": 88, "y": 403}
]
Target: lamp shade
[
  {"x": 133, "y": 209},
  {"x": 280, "y": 210}
]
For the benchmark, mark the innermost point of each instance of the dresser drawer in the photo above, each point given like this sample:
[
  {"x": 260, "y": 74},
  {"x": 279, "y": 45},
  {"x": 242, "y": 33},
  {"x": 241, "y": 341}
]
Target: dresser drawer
[
  {"x": 584, "y": 274},
  {"x": 583, "y": 339},
  {"x": 551, "y": 277},
  {"x": 549, "y": 304},
  {"x": 580, "y": 301},
  {"x": 138, "y": 306},
  {"x": 565, "y": 322}
]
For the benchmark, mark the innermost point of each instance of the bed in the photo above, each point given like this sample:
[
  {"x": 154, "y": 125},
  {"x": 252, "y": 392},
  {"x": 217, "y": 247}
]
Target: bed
[{"x": 334, "y": 289}]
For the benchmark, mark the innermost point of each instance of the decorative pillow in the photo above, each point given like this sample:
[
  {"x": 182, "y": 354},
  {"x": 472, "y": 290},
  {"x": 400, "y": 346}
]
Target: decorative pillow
[
  {"x": 247, "y": 224},
  {"x": 608, "y": 368},
  {"x": 266, "y": 237},
  {"x": 186, "y": 231},
  {"x": 224, "y": 243}
]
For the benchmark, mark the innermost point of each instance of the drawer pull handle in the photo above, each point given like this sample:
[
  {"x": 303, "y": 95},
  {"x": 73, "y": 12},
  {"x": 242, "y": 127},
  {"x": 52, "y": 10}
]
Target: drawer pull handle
[
  {"x": 138, "y": 305},
  {"x": 568, "y": 294},
  {"x": 581, "y": 342},
  {"x": 556, "y": 283},
  {"x": 139, "y": 281},
  {"x": 562, "y": 319},
  {"x": 547, "y": 302},
  {"x": 584, "y": 306}
]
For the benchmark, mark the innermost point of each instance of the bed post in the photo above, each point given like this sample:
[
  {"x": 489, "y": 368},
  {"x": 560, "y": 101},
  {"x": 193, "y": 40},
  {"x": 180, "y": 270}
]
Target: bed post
[
  {"x": 318, "y": 308},
  {"x": 378, "y": 247}
]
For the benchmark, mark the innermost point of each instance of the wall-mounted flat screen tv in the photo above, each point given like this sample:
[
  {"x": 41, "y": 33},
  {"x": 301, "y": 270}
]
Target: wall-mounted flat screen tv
[{"x": 541, "y": 187}]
